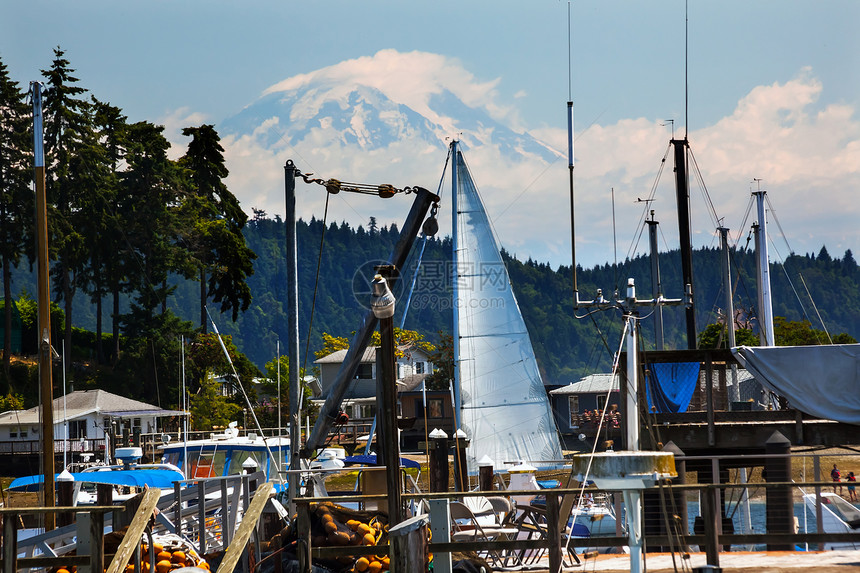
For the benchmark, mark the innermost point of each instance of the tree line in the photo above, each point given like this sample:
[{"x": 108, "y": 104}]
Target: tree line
[
  {"x": 125, "y": 223},
  {"x": 142, "y": 242}
]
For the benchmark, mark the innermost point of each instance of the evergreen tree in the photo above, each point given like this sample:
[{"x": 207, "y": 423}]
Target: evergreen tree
[
  {"x": 216, "y": 221},
  {"x": 109, "y": 269},
  {"x": 71, "y": 157},
  {"x": 149, "y": 190},
  {"x": 16, "y": 204}
]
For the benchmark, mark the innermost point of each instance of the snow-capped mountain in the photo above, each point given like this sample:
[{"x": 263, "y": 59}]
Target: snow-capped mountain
[
  {"x": 335, "y": 109},
  {"x": 384, "y": 119}
]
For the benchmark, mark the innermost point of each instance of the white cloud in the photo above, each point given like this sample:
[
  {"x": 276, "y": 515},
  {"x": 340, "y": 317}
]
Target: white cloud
[
  {"x": 807, "y": 154},
  {"x": 409, "y": 78},
  {"x": 174, "y": 123}
]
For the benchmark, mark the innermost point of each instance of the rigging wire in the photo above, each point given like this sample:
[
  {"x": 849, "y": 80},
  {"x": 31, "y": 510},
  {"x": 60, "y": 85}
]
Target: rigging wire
[
  {"x": 785, "y": 239},
  {"x": 712, "y": 211},
  {"x": 640, "y": 225},
  {"x": 675, "y": 529},
  {"x": 814, "y": 306},
  {"x": 272, "y": 457},
  {"x": 584, "y": 483},
  {"x": 316, "y": 288}
]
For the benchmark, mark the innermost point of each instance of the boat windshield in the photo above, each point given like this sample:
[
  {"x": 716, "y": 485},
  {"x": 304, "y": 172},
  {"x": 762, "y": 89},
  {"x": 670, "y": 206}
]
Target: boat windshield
[
  {"x": 206, "y": 463},
  {"x": 239, "y": 457},
  {"x": 844, "y": 509}
]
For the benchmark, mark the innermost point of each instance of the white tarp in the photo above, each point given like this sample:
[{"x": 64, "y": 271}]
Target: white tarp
[
  {"x": 822, "y": 381},
  {"x": 505, "y": 409}
]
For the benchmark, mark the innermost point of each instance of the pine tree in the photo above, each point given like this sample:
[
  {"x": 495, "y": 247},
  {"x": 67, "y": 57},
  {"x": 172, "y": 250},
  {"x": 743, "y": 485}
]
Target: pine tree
[
  {"x": 16, "y": 204},
  {"x": 72, "y": 157},
  {"x": 216, "y": 220},
  {"x": 105, "y": 239}
]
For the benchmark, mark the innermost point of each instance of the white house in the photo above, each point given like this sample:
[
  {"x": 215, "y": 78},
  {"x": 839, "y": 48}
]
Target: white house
[
  {"x": 88, "y": 413},
  {"x": 413, "y": 362}
]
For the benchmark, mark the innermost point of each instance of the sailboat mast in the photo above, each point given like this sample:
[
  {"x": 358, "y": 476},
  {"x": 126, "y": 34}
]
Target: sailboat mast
[
  {"x": 44, "y": 299},
  {"x": 766, "y": 305},
  {"x": 686, "y": 243},
  {"x": 455, "y": 168},
  {"x": 656, "y": 284},
  {"x": 290, "y": 174}
]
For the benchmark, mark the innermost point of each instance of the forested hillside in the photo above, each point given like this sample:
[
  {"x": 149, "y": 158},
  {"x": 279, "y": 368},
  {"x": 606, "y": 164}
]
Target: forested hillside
[{"x": 566, "y": 347}]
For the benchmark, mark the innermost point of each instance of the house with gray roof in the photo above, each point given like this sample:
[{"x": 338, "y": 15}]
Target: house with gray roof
[
  {"x": 414, "y": 362},
  {"x": 571, "y": 403},
  {"x": 88, "y": 414}
]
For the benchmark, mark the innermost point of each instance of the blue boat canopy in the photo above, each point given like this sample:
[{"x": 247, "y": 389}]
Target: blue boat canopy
[
  {"x": 160, "y": 478},
  {"x": 370, "y": 460}
]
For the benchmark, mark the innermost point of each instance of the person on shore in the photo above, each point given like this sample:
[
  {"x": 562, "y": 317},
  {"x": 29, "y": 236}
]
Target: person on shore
[
  {"x": 836, "y": 476},
  {"x": 851, "y": 479}
]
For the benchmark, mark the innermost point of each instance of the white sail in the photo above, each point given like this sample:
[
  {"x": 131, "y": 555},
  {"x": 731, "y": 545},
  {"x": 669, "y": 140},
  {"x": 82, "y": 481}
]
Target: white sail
[{"x": 504, "y": 408}]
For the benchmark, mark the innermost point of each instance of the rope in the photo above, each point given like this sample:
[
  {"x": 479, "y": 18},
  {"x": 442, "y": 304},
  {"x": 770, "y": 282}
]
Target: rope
[
  {"x": 316, "y": 286},
  {"x": 673, "y": 526}
]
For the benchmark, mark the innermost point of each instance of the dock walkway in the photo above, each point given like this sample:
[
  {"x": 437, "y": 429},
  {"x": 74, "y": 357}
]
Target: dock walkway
[{"x": 764, "y": 561}]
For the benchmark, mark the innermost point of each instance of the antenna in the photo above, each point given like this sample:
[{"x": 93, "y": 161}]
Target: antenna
[
  {"x": 672, "y": 123},
  {"x": 570, "y": 160},
  {"x": 614, "y": 239},
  {"x": 686, "y": 69}
]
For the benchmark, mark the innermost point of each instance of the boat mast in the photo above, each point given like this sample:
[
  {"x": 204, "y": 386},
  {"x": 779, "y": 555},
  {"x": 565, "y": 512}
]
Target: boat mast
[
  {"x": 656, "y": 283},
  {"x": 682, "y": 191},
  {"x": 290, "y": 174},
  {"x": 765, "y": 303},
  {"x": 455, "y": 173},
  {"x": 44, "y": 299}
]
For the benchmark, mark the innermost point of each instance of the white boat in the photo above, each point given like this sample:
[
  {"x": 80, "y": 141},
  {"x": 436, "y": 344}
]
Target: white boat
[
  {"x": 838, "y": 515},
  {"x": 230, "y": 453},
  {"x": 127, "y": 478}
]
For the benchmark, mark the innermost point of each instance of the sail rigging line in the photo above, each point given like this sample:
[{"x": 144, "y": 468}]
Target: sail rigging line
[
  {"x": 640, "y": 225},
  {"x": 814, "y": 306},
  {"x": 712, "y": 211},
  {"x": 314, "y": 298},
  {"x": 675, "y": 530},
  {"x": 272, "y": 457},
  {"x": 584, "y": 483},
  {"x": 784, "y": 260}
]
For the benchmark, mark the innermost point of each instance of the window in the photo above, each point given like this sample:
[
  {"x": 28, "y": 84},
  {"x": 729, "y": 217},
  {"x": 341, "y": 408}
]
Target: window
[
  {"x": 364, "y": 372},
  {"x": 136, "y": 423},
  {"x": 601, "y": 402},
  {"x": 77, "y": 429},
  {"x": 573, "y": 405},
  {"x": 419, "y": 368},
  {"x": 435, "y": 408}
]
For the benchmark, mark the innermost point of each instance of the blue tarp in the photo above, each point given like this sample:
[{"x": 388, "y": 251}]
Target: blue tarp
[
  {"x": 671, "y": 386},
  {"x": 160, "y": 478},
  {"x": 370, "y": 460}
]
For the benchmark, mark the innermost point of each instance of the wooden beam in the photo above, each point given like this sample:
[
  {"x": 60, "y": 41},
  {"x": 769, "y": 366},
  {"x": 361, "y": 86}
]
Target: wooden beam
[
  {"x": 132, "y": 536},
  {"x": 249, "y": 523}
]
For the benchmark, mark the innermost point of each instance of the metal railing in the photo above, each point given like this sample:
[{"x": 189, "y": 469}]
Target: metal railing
[{"x": 679, "y": 518}]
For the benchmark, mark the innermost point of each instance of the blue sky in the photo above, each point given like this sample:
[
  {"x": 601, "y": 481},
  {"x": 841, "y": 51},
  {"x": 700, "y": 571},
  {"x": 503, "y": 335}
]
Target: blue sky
[{"x": 204, "y": 61}]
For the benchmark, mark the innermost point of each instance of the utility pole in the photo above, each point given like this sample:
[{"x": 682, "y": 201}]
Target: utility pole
[
  {"x": 290, "y": 174},
  {"x": 46, "y": 385}
]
